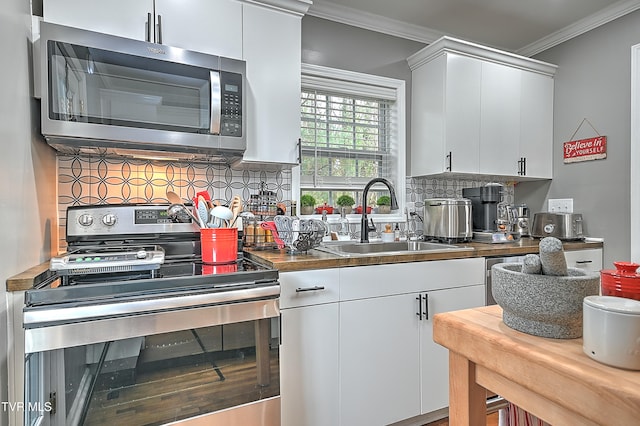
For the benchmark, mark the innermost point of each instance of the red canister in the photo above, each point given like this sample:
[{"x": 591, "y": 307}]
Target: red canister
[{"x": 621, "y": 282}]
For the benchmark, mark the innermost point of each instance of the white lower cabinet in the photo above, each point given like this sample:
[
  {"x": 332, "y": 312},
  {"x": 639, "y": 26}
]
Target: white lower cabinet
[
  {"x": 434, "y": 360},
  {"x": 309, "y": 348},
  {"x": 364, "y": 353}
]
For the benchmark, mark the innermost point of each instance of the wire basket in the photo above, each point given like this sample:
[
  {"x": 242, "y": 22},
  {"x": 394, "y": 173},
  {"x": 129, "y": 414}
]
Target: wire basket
[{"x": 300, "y": 235}]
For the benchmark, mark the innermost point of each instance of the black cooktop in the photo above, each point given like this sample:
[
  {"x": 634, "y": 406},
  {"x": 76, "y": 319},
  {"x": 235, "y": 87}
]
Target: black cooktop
[{"x": 173, "y": 277}]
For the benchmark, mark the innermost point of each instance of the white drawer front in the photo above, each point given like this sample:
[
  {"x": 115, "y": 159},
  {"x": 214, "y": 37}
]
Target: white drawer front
[
  {"x": 384, "y": 280},
  {"x": 311, "y": 287},
  {"x": 590, "y": 260}
]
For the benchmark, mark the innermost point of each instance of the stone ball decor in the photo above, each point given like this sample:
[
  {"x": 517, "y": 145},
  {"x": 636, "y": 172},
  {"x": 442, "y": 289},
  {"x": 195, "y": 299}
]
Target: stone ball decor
[{"x": 541, "y": 304}]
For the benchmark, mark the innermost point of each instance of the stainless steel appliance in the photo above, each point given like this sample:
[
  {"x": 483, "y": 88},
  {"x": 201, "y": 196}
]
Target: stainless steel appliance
[
  {"x": 125, "y": 341},
  {"x": 564, "y": 226},
  {"x": 489, "y": 262},
  {"x": 111, "y": 95},
  {"x": 484, "y": 202},
  {"x": 522, "y": 220},
  {"x": 448, "y": 219}
]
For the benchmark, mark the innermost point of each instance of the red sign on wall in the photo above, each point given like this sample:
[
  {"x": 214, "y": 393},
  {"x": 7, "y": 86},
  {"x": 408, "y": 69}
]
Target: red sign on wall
[{"x": 585, "y": 149}]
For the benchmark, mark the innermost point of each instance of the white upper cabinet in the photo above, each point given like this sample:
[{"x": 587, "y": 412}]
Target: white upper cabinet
[
  {"x": 118, "y": 17},
  {"x": 477, "y": 110},
  {"x": 211, "y": 26},
  {"x": 272, "y": 50}
]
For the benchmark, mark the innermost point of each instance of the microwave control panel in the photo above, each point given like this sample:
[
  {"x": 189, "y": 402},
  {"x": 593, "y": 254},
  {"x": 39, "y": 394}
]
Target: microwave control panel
[{"x": 231, "y": 104}]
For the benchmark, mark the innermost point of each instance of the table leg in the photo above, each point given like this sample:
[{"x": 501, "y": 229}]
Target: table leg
[
  {"x": 467, "y": 399},
  {"x": 262, "y": 352}
]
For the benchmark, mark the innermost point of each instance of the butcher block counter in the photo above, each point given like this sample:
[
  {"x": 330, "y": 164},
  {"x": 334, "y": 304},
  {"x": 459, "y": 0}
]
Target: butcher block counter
[
  {"x": 314, "y": 259},
  {"x": 551, "y": 378}
]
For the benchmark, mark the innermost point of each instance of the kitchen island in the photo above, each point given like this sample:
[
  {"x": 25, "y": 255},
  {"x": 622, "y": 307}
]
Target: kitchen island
[{"x": 551, "y": 378}]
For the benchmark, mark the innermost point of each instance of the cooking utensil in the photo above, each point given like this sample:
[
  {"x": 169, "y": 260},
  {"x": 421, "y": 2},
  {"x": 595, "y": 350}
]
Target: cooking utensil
[
  {"x": 173, "y": 210},
  {"x": 176, "y": 201},
  {"x": 174, "y": 198},
  {"x": 236, "y": 208},
  {"x": 203, "y": 211},
  {"x": 223, "y": 214}
]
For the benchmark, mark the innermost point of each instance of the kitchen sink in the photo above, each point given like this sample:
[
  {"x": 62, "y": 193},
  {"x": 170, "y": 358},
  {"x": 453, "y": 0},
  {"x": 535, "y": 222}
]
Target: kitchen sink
[{"x": 351, "y": 248}]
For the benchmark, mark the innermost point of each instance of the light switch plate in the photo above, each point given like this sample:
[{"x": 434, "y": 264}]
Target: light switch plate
[{"x": 561, "y": 205}]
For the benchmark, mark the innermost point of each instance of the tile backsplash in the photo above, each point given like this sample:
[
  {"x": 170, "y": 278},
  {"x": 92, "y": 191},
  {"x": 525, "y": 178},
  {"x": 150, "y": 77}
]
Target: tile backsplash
[
  {"x": 419, "y": 189},
  {"x": 84, "y": 180}
]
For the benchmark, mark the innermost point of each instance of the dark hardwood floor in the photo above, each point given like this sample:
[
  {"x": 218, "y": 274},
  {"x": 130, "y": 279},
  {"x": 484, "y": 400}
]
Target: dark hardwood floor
[{"x": 169, "y": 394}]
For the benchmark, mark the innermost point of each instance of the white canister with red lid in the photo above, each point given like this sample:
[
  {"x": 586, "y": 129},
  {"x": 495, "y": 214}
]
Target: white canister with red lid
[{"x": 611, "y": 331}]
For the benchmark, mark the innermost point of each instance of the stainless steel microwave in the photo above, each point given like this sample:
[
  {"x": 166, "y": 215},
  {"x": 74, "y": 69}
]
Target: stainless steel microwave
[{"x": 103, "y": 94}]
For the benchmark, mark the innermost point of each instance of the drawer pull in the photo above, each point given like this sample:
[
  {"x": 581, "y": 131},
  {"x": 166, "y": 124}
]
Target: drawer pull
[
  {"x": 314, "y": 288},
  {"x": 584, "y": 261}
]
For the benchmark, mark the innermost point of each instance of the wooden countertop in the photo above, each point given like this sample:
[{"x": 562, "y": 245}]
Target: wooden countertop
[
  {"x": 551, "y": 378},
  {"x": 315, "y": 259}
]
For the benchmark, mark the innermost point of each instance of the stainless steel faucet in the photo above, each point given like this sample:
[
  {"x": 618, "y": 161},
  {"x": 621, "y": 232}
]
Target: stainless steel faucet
[{"x": 364, "y": 223}]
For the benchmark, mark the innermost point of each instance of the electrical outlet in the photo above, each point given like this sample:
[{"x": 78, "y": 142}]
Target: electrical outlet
[{"x": 561, "y": 205}]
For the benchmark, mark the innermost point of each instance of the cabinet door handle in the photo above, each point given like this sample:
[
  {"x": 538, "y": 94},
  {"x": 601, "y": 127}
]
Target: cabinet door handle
[
  {"x": 448, "y": 157},
  {"x": 314, "y": 288},
  {"x": 149, "y": 28},
  {"x": 159, "y": 34},
  {"x": 419, "y": 313},
  {"x": 299, "y": 150},
  {"x": 426, "y": 306}
]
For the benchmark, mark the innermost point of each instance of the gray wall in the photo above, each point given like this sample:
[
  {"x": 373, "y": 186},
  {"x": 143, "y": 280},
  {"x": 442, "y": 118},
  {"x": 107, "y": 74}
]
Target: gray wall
[
  {"x": 27, "y": 169},
  {"x": 340, "y": 46},
  {"x": 593, "y": 81}
]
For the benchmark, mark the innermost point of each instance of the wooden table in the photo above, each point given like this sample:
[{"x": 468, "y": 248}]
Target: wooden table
[{"x": 551, "y": 378}]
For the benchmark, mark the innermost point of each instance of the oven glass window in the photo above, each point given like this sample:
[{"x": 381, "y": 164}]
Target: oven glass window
[
  {"x": 104, "y": 87},
  {"x": 162, "y": 378}
]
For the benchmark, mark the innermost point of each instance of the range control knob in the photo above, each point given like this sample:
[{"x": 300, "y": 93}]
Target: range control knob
[
  {"x": 85, "y": 219},
  {"x": 109, "y": 219}
]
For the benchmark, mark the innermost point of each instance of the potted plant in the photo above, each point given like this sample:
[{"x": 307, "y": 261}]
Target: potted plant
[
  {"x": 306, "y": 204},
  {"x": 346, "y": 202},
  {"x": 384, "y": 204}
]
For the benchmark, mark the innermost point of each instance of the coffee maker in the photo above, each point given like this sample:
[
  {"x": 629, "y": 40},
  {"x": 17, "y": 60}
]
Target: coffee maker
[{"x": 484, "y": 206}]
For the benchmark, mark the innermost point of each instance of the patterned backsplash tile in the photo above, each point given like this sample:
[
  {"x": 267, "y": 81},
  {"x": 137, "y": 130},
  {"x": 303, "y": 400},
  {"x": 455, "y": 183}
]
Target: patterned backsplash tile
[{"x": 84, "y": 180}]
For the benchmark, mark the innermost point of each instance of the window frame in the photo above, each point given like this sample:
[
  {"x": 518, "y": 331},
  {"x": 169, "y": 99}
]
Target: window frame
[{"x": 352, "y": 83}]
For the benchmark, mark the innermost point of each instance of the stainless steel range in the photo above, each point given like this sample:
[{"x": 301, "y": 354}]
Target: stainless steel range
[{"x": 134, "y": 329}]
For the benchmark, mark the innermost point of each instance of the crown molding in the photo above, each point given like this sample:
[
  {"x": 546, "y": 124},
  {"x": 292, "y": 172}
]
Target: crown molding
[
  {"x": 582, "y": 26},
  {"x": 295, "y": 7},
  {"x": 335, "y": 12},
  {"x": 474, "y": 50},
  {"x": 356, "y": 18}
]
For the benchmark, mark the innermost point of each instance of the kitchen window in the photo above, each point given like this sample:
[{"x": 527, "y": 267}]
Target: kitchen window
[{"x": 352, "y": 130}]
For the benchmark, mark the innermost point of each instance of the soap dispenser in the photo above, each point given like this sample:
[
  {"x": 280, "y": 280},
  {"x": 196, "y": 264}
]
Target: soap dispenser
[{"x": 343, "y": 225}]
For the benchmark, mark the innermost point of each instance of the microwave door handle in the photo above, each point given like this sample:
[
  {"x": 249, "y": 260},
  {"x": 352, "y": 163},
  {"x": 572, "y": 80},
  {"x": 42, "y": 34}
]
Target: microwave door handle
[
  {"x": 159, "y": 30},
  {"x": 216, "y": 101},
  {"x": 149, "y": 28}
]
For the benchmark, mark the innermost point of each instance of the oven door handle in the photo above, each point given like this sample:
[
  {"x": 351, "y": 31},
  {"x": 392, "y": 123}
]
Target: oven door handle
[{"x": 43, "y": 316}]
